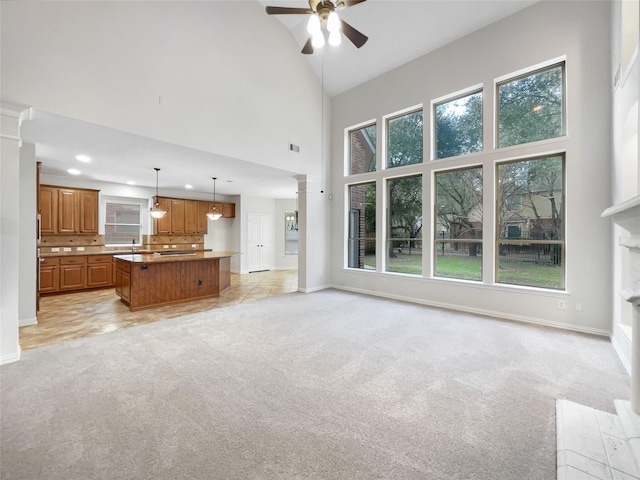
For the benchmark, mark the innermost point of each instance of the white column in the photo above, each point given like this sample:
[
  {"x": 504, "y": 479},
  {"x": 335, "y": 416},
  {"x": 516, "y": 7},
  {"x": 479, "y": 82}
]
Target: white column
[
  {"x": 312, "y": 235},
  {"x": 11, "y": 116}
]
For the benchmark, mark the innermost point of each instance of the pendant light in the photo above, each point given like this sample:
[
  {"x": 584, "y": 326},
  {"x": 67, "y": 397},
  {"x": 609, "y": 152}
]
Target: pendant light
[
  {"x": 156, "y": 211},
  {"x": 214, "y": 215}
]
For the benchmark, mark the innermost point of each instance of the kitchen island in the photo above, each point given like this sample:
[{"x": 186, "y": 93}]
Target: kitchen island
[{"x": 150, "y": 280}]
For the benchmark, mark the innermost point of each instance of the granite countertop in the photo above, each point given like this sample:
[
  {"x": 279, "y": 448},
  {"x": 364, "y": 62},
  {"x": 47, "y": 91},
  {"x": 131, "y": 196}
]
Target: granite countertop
[{"x": 176, "y": 256}]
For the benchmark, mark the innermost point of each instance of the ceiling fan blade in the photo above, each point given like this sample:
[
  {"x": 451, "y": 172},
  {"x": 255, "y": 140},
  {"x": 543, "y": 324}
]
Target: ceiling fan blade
[
  {"x": 287, "y": 11},
  {"x": 348, "y": 3},
  {"x": 356, "y": 37},
  {"x": 308, "y": 47}
]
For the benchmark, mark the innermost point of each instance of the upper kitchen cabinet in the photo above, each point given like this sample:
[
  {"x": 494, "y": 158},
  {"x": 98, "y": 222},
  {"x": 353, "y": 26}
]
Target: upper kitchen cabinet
[
  {"x": 188, "y": 216},
  {"x": 65, "y": 210}
]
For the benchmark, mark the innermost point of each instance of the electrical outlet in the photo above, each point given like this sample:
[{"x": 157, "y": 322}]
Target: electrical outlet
[
  {"x": 55, "y": 249},
  {"x": 173, "y": 246},
  {"x": 193, "y": 245},
  {"x": 578, "y": 307},
  {"x": 165, "y": 246},
  {"x": 384, "y": 281},
  {"x": 80, "y": 249},
  {"x": 66, "y": 249},
  {"x": 562, "y": 305}
]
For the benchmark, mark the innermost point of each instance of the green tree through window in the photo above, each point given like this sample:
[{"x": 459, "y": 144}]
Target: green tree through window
[
  {"x": 531, "y": 108},
  {"x": 459, "y": 126}
]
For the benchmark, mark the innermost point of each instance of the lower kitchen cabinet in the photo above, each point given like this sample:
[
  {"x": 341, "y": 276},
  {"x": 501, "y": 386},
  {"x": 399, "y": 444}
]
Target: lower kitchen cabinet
[
  {"x": 99, "y": 271},
  {"x": 49, "y": 275},
  {"x": 73, "y": 273},
  {"x": 77, "y": 272}
]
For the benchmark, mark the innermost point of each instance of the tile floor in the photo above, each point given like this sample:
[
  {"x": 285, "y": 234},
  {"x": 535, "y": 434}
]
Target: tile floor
[
  {"x": 84, "y": 314},
  {"x": 596, "y": 445}
]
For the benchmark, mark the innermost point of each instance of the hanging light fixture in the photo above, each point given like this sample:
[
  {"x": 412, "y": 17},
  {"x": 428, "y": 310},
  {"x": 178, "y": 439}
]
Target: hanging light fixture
[
  {"x": 214, "y": 215},
  {"x": 156, "y": 211}
]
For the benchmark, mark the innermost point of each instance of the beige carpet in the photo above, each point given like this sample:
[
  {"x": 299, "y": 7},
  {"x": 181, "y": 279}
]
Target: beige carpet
[{"x": 329, "y": 385}]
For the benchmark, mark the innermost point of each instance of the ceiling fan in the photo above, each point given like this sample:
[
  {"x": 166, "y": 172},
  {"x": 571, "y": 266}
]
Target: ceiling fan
[{"x": 324, "y": 14}]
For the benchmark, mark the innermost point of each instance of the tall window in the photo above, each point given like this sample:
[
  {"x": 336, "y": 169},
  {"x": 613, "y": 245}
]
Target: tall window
[
  {"x": 458, "y": 224},
  {"x": 531, "y": 108},
  {"x": 458, "y": 126},
  {"x": 530, "y": 237},
  {"x": 362, "y": 226},
  {"x": 404, "y": 140},
  {"x": 404, "y": 228},
  {"x": 363, "y": 149},
  {"x": 123, "y": 224}
]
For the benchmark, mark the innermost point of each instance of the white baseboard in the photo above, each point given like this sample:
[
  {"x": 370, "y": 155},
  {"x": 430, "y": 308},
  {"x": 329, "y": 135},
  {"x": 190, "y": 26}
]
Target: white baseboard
[
  {"x": 620, "y": 353},
  {"x": 24, "y": 322},
  {"x": 314, "y": 289},
  {"x": 14, "y": 357},
  {"x": 478, "y": 311}
]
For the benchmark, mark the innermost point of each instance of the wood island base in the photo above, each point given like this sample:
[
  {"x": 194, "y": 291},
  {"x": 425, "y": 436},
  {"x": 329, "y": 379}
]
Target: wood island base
[{"x": 145, "y": 281}]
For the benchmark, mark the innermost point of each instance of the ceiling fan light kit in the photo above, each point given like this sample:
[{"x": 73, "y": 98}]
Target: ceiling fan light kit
[{"x": 324, "y": 15}]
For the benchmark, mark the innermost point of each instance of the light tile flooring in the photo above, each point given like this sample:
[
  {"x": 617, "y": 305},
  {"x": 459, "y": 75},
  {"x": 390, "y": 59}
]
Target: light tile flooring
[
  {"x": 592, "y": 444},
  {"x": 84, "y": 314}
]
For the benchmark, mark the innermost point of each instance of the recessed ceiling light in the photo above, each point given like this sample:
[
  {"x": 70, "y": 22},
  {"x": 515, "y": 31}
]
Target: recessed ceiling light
[
  {"x": 188, "y": 185},
  {"x": 131, "y": 182},
  {"x": 83, "y": 158},
  {"x": 73, "y": 171}
]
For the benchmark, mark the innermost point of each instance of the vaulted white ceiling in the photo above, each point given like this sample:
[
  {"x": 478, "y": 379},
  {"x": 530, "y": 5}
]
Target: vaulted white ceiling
[{"x": 202, "y": 88}]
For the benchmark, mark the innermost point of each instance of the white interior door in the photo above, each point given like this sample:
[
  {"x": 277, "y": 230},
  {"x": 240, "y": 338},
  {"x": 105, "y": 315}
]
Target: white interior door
[{"x": 259, "y": 237}]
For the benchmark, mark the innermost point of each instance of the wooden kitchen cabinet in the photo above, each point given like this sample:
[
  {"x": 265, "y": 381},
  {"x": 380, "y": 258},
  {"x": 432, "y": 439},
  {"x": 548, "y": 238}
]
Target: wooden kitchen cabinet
[
  {"x": 163, "y": 225},
  {"x": 48, "y": 209},
  {"x": 99, "y": 271},
  {"x": 202, "y": 223},
  {"x": 49, "y": 275},
  {"x": 177, "y": 215},
  {"x": 88, "y": 214},
  {"x": 73, "y": 273},
  {"x": 76, "y": 272},
  {"x": 65, "y": 210},
  {"x": 190, "y": 216},
  {"x": 228, "y": 210}
]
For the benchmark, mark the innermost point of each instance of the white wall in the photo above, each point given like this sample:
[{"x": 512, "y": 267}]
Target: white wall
[
  {"x": 107, "y": 63},
  {"x": 577, "y": 31}
]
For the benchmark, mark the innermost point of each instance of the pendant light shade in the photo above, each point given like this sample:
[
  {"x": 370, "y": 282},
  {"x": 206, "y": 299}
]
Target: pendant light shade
[
  {"x": 214, "y": 215},
  {"x": 156, "y": 211}
]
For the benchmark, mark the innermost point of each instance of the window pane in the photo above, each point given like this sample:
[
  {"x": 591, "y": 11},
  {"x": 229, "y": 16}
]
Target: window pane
[
  {"x": 531, "y": 223},
  {"x": 458, "y": 227},
  {"x": 405, "y": 140},
  {"x": 531, "y": 108},
  {"x": 363, "y": 149},
  {"x": 459, "y": 126},
  {"x": 362, "y": 226},
  {"x": 122, "y": 224},
  {"x": 404, "y": 242}
]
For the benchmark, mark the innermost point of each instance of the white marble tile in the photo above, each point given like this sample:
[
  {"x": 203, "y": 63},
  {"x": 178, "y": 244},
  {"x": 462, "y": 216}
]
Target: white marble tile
[
  {"x": 584, "y": 464},
  {"x": 620, "y": 455},
  {"x": 569, "y": 473},
  {"x": 579, "y": 431},
  {"x": 622, "y": 476},
  {"x": 610, "y": 424}
]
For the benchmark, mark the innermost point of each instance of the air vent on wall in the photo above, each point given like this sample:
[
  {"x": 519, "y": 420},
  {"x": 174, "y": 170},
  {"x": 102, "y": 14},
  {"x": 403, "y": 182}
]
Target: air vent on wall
[{"x": 294, "y": 148}]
